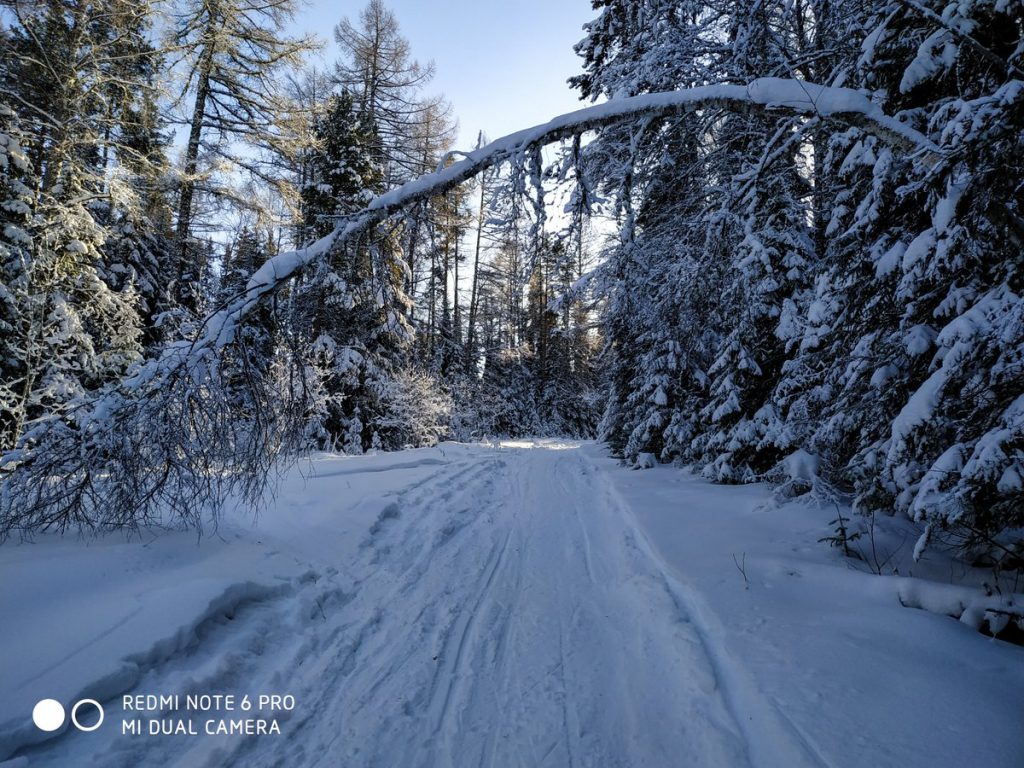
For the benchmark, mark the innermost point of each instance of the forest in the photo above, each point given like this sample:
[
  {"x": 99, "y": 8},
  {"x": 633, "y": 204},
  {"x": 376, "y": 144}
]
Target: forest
[{"x": 780, "y": 242}]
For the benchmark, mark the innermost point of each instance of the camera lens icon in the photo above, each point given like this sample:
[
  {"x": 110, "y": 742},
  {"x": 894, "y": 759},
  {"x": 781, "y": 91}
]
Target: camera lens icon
[{"x": 49, "y": 715}]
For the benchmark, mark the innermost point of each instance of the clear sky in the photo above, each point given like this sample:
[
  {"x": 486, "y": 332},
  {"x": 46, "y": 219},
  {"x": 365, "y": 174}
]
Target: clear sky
[{"x": 501, "y": 63}]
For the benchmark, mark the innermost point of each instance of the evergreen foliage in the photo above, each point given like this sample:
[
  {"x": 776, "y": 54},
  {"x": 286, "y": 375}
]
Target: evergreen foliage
[
  {"x": 833, "y": 282},
  {"x": 816, "y": 291}
]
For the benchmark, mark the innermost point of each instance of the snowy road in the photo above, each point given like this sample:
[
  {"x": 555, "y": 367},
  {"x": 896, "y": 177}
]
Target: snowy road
[
  {"x": 502, "y": 613},
  {"x": 509, "y": 619},
  {"x": 502, "y": 606}
]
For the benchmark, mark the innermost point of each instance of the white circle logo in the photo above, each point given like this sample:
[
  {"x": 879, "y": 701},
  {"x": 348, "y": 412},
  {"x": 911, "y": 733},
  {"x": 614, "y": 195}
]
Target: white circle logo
[
  {"x": 48, "y": 715},
  {"x": 74, "y": 715}
]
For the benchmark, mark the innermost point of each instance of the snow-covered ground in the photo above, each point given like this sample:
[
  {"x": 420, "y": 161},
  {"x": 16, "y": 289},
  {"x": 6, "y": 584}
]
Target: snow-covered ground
[{"x": 518, "y": 604}]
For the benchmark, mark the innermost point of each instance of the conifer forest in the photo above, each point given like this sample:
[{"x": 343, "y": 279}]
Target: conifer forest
[{"x": 777, "y": 249}]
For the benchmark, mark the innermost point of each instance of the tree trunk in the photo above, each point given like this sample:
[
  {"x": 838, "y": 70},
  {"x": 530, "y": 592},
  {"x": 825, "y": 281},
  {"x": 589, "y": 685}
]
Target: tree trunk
[
  {"x": 474, "y": 289},
  {"x": 188, "y": 185}
]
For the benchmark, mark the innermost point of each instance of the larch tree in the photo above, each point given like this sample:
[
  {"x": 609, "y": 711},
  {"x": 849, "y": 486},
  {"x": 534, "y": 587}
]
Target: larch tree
[
  {"x": 232, "y": 55},
  {"x": 377, "y": 67},
  {"x": 815, "y": 274}
]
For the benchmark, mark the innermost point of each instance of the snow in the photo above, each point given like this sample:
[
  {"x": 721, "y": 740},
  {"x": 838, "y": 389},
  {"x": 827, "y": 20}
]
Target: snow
[
  {"x": 917, "y": 410},
  {"x": 934, "y": 55},
  {"x": 882, "y": 374},
  {"x": 918, "y": 250},
  {"x": 771, "y": 93},
  {"x": 646, "y": 461},
  {"x": 919, "y": 339},
  {"x": 801, "y": 465},
  {"x": 521, "y": 602},
  {"x": 945, "y": 211},
  {"x": 933, "y": 491}
]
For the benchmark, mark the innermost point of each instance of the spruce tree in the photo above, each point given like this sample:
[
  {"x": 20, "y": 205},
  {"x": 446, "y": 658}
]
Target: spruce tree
[{"x": 76, "y": 68}]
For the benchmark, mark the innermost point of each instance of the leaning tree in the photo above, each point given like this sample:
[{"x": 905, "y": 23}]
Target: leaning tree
[{"x": 172, "y": 440}]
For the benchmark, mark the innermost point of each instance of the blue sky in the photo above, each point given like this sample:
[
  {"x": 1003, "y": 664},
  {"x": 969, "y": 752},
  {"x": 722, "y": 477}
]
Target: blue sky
[{"x": 502, "y": 65}]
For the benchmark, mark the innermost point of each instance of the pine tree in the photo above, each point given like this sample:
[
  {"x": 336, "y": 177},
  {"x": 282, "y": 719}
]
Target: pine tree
[
  {"x": 339, "y": 169},
  {"x": 653, "y": 360},
  {"x": 16, "y": 197},
  {"x": 139, "y": 250},
  {"x": 258, "y": 336},
  {"x": 351, "y": 309}
]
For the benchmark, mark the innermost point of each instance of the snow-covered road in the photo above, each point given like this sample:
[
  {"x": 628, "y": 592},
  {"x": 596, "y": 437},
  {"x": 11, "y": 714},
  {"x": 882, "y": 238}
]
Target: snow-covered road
[
  {"x": 507, "y": 617},
  {"x": 501, "y": 606}
]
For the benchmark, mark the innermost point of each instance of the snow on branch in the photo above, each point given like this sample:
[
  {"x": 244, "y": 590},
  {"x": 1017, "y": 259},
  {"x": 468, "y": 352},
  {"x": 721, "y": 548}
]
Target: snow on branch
[
  {"x": 769, "y": 93},
  {"x": 169, "y": 439}
]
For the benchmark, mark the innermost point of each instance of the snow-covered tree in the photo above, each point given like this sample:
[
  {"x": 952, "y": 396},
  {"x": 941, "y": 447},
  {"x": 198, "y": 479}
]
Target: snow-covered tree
[
  {"x": 719, "y": 298},
  {"x": 915, "y": 326},
  {"x": 75, "y": 76}
]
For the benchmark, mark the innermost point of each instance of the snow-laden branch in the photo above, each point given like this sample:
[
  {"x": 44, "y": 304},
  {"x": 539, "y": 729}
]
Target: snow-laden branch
[
  {"x": 770, "y": 93},
  {"x": 168, "y": 439}
]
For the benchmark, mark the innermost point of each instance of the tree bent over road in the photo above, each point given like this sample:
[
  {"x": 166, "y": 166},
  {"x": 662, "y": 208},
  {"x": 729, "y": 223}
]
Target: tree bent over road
[{"x": 169, "y": 441}]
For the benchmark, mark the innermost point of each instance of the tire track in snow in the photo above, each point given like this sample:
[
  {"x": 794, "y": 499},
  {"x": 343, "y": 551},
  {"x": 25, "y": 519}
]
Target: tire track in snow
[
  {"x": 456, "y": 670},
  {"x": 772, "y": 740},
  {"x": 404, "y": 558},
  {"x": 503, "y": 612},
  {"x": 287, "y": 635},
  {"x": 584, "y": 640}
]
